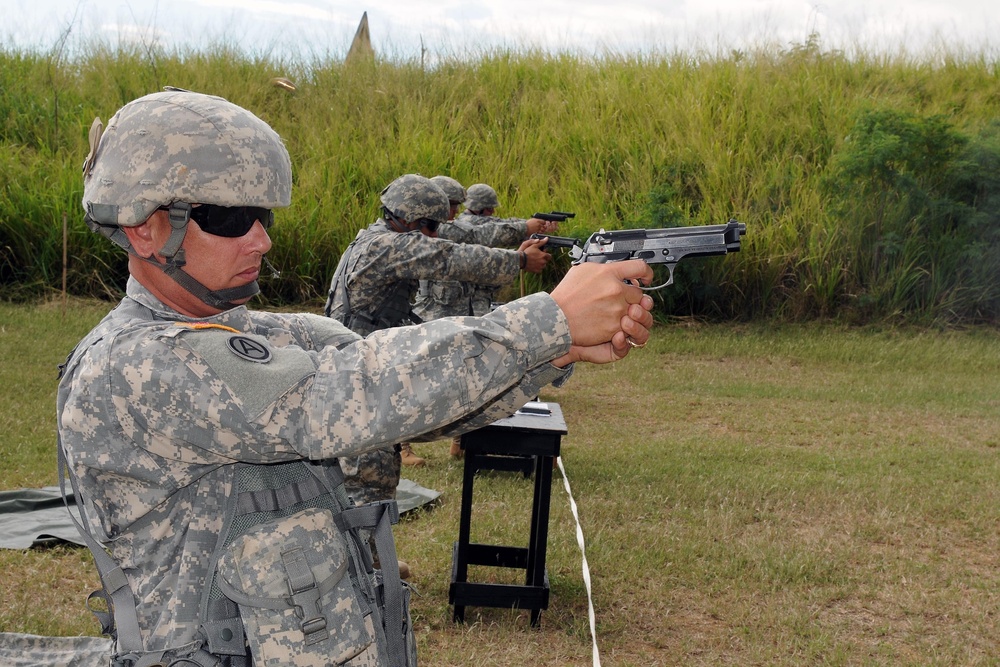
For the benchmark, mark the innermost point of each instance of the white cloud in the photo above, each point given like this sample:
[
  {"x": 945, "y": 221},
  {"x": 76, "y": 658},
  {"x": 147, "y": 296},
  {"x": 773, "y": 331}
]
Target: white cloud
[
  {"x": 403, "y": 28},
  {"x": 277, "y": 9}
]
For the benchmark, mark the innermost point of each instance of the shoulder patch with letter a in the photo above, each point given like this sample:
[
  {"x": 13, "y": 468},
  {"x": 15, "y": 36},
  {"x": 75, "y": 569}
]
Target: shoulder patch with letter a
[{"x": 249, "y": 349}]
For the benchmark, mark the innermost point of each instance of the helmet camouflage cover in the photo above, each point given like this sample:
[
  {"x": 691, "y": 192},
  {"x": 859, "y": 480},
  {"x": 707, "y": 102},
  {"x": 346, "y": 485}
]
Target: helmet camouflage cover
[
  {"x": 481, "y": 196},
  {"x": 182, "y": 146},
  {"x": 451, "y": 187},
  {"x": 414, "y": 197}
]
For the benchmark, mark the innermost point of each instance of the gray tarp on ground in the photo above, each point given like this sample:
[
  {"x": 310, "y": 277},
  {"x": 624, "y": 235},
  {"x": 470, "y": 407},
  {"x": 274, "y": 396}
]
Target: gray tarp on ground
[
  {"x": 36, "y": 517},
  {"x": 33, "y": 517}
]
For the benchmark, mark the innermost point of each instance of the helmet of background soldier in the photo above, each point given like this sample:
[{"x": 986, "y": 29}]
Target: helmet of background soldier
[
  {"x": 451, "y": 187},
  {"x": 481, "y": 196},
  {"x": 180, "y": 146},
  {"x": 413, "y": 197}
]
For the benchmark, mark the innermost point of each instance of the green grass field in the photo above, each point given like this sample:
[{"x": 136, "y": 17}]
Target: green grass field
[{"x": 750, "y": 495}]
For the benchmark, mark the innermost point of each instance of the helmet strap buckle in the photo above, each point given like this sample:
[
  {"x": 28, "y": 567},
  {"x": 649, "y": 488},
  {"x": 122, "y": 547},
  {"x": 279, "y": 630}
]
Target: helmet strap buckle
[{"x": 179, "y": 214}]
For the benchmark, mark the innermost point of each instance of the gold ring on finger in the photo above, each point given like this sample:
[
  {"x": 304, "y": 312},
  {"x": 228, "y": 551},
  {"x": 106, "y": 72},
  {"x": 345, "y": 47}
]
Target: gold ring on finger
[{"x": 632, "y": 343}]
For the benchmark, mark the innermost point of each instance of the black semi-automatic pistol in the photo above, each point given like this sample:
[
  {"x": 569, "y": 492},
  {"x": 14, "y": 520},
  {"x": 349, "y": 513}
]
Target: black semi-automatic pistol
[{"x": 661, "y": 246}]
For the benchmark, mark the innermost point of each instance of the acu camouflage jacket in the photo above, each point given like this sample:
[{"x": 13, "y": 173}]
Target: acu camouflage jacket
[
  {"x": 382, "y": 267},
  {"x": 155, "y": 411},
  {"x": 445, "y": 298}
]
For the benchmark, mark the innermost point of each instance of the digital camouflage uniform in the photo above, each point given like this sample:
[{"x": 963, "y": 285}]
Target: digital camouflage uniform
[
  {"x": 156, "y": 411},
  {"x": 203, "y": 451},
  {"x": 25, "y": 650},
  {"x": 381, "y": 260},
  {"x": 444, "y": 298},
  {"x": 382, "y": 265}
]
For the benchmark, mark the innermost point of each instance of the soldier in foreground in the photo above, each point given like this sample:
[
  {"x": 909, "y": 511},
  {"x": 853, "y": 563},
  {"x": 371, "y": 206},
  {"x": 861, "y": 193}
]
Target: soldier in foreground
[{"x": 201, "y": 437}]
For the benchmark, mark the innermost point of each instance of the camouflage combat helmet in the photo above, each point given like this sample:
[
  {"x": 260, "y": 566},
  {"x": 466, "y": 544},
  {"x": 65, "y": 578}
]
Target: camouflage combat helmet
[
  {"x": 451, "y": 187},
  {"x": 413, "y": 197},
  {"x": 481, "y": 196},
  {"x": 177, "y": 148},
  {"x": 182, "y": 146}
]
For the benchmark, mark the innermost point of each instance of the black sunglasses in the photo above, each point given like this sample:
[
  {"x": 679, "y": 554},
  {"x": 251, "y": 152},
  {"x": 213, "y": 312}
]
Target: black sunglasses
[{"x": 229, "y": 221}]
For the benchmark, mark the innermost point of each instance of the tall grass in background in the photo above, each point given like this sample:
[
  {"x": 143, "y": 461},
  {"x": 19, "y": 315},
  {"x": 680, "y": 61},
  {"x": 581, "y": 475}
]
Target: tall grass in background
[{"x": 867, "y": 183}]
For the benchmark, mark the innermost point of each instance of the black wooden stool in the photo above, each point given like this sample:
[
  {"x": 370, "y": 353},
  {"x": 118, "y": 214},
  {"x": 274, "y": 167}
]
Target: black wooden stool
[{"x": 525, "y": 439}]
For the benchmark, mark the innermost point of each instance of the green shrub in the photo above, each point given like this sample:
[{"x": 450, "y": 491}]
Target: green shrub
[{"x": 918, "y": 198}]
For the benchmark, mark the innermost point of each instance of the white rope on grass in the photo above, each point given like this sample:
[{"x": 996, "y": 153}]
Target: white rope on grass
[{"x": 586, "y": 568}]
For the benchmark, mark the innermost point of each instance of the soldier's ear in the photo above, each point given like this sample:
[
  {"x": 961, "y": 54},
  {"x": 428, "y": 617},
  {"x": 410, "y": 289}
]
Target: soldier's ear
[{"x": 142, "y": 237}]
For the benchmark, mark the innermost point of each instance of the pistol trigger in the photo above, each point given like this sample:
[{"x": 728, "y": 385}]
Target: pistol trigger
[{"x": 670, "y": 281}]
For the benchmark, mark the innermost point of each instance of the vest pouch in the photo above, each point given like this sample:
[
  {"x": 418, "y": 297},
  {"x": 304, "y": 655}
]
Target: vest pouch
[
  {"x": 291, "y": 580},
  {"x": 450, "y": 293}
]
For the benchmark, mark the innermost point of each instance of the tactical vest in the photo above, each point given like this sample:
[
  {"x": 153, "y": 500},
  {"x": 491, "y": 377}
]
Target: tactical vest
[
  {"x": 292, "y": 579},
  {"x": 393, "y": 311}
]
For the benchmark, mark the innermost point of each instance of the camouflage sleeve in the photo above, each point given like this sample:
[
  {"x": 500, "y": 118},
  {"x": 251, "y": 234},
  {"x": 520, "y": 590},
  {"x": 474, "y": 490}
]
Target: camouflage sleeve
[
  {"x": 445, "y": 375},
  {"x": 502, "y": 232},
  {"x": 198, "y": 397},
  {"x": 458, "y": 230},
  {"x": 312, "y": 332},
  {"x": 414, "y": 256},
  {"x": 486, "y": 230},
  {"x": 525, "y": 390}
]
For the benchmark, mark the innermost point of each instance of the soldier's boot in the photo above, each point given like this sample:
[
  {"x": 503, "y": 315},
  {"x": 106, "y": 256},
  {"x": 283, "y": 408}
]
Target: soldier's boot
[
  {"x": 404, "y": 568},
  {"x": 456, "y": 450},
  {"x": 408, "y": 458}
]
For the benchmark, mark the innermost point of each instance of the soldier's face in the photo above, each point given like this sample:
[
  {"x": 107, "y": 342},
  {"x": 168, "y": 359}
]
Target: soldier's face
[{"x": 218, "y": 262}]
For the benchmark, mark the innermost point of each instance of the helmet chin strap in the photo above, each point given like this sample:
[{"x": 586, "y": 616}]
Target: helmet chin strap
[
  {"x": 180, "y": 214},
  {"x": 396, "y": 223}
]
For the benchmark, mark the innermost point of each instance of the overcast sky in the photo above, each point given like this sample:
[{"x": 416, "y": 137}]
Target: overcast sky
[{"x": 306, "y": 28}]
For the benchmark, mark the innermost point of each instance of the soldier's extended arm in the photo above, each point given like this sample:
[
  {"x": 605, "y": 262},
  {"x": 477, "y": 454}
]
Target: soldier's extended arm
[{"x": 485, "y": 230}]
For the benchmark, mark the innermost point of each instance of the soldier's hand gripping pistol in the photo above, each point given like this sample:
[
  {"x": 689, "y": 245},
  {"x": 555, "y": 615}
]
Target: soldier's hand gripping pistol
[{"x": 654, "y": 246}]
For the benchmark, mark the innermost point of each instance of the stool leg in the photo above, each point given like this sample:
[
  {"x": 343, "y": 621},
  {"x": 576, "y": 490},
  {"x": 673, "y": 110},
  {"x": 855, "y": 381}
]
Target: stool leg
[
  {"x": 460, "y": 569},
  {"x": 539, "y": 522},
  {"x": 465, "y": 519}
]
